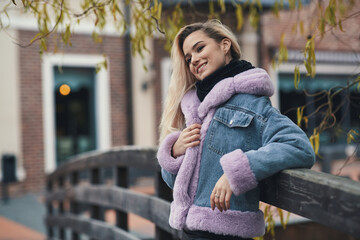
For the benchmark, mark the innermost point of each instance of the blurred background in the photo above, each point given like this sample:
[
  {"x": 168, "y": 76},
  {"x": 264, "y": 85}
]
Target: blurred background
[{"x": 59, "y": 104}]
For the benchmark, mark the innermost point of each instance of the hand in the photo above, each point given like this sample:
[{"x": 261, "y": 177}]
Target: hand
[
  {"x": 221, "y": 194},
  {"x": 189, "y": 137}
]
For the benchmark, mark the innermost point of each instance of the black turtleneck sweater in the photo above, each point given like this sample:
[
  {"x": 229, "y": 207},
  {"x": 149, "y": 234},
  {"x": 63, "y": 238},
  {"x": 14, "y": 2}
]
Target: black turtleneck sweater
[{"x": 203, "y": 87}]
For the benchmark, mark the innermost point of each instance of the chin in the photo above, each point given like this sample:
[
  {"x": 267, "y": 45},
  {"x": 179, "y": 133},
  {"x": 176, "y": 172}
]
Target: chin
[{"x": 202, "y": 77}]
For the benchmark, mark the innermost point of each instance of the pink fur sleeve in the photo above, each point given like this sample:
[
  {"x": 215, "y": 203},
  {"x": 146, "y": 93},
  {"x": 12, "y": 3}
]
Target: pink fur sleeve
[
  {"x": 166, "y": 161},
  {"x": 237, "y": 169}
]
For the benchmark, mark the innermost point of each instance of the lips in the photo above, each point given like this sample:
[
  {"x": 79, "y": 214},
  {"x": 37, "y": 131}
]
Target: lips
[{"x": 200, "y": 67}]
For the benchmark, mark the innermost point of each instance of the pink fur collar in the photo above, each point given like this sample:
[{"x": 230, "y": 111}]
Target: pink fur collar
[{"x": 254, "y": 81}]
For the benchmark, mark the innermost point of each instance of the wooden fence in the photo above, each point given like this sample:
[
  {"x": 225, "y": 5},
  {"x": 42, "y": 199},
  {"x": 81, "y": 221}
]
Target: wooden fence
[{"x": 330, "y": 200}]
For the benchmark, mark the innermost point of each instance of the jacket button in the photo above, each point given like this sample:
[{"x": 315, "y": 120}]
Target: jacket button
[{"x": 231, "y": 121}]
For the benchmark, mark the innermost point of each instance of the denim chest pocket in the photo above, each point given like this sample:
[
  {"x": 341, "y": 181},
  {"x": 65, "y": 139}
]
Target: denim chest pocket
[{"x": 230, "y": 129}]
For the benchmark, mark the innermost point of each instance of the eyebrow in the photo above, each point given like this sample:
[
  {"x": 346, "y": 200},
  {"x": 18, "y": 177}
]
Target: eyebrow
[{"x": 193, "y": 47}]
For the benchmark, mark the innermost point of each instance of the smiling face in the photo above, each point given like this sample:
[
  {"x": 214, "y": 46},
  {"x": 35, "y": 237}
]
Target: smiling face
[{"x": 204, "y": 55}]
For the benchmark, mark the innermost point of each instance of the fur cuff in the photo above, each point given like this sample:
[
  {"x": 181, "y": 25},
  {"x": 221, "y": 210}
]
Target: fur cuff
[
  {"x": 236, "y": 166},
  {"x": 166, "y": 161},
  {"x": 234, "y": 223}
]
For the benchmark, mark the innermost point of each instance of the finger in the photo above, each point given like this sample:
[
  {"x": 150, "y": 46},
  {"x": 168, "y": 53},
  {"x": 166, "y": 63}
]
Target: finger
[
  {"x": 227, "y": 199},
  {"x": 195, "y": 131},
  {"x": 222, "y": 200},
  {"x": 195, "y": 125},
  {"x": 212, "y": 201},
  {"x": 190, "y": 134},
  {"x": 192, "y": 127},
  {"x": 192, "y": 144},
  {"x": 217, "y": 202},
  {"x": 193, "y": 138}
]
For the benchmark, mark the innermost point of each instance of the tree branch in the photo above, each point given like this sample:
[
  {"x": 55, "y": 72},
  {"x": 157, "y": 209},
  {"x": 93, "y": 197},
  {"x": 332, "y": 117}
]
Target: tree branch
[{"x": 47, "y": 33}]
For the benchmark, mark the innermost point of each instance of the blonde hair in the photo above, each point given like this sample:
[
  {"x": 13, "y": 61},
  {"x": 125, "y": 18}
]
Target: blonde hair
[{"x": 182, "y": 80}]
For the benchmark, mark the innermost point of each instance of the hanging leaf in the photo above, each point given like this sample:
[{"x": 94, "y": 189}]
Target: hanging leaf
[
  {"x": 315, "y": 141},
  {"x": 294, "y": 28},
  {"x": 330, "y": 13},
  {"x": 340, "y": 26},
  {"x": 306, "y": 121},
  {"x": 301, "y": 24},
  {"x": 296, "y": 77},
  {"x": 352, "y": 135},
  {"x": 211, "y": 9},
  {"x": 299, "y": 115},
  {"x": 254, "y": 16},
  {"x": 222, "y": 6},
  {"x": 283, "y": 52},
  {"x": 281, "y": 215},
  {"x": 259, "y": 5},
  {"x": 322, "y": 26},
  {"x": 292, "y": 4},
  {"x": 159, "y": 11},
  {"x": 309, "y": 57},
  {"x": 275, "y": 9},
  {"x": 239, "y": 17},
  {"x": 299, "y": 4}
]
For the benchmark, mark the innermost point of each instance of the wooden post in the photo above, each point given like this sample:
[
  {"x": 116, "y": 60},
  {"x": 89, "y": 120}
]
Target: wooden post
[
  {"x": 95, "y": 210},
  {"x": 61, "y": 208},
  {"x": 163, "y": 192},
  {"x": 122, "y": 181},
  {"x": 50, "y": 210},
  {"x": 74, "y": 206},
  {"x": 95, "y": 178}
]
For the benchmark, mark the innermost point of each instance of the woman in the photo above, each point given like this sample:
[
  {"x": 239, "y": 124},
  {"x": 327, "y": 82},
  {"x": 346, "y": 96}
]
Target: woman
[{"x": 220, "y": 136}]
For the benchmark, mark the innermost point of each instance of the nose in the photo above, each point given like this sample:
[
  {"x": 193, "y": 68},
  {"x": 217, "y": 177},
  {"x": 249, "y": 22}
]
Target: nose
[{"x": 194, "y": 60}]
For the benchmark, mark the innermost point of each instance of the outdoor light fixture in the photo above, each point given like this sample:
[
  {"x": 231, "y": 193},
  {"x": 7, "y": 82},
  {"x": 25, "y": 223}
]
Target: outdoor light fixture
[{"x": 64, "y": 89}]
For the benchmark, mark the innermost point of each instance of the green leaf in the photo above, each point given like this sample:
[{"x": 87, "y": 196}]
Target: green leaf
[
  {"x": 315, "y": 141},
  {"x": 299, "y": 115},
  {"x": 275, "y": 9},
  {"x": 239, "y": 17},
  {"x": 301, "y": 25},
  {"x": 35, "y": 38},
  {"x": 211, "y": 8},
  {"x": 292, "y": 4},
  {"x": 322, "y": 26},
  {"x": 352, "y": 135},
  {"x": 296, "y": 77},
  {"x": 254, "y": 17},
  {"x": 340, "y": 26},
  {"x": 258, "y": 3},
  {"x": 222, "y": 6}
]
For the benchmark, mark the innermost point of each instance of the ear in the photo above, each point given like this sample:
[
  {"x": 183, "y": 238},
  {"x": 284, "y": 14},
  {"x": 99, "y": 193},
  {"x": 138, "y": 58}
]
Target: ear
[{"x": 226, "y": 44}]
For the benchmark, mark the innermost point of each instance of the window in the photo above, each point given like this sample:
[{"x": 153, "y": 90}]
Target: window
[
  {"x": 346, "y": 105},
  {"x": 75, "y": 127}
]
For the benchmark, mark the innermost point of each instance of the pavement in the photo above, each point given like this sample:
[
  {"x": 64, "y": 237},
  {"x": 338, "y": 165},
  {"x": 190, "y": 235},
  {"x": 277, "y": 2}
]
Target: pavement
[{"x": 22, "y": 218}]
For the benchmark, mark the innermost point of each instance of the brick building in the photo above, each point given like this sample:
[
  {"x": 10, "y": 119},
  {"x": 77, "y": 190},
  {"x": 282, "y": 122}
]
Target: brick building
[{"x": 37, "y": 121}]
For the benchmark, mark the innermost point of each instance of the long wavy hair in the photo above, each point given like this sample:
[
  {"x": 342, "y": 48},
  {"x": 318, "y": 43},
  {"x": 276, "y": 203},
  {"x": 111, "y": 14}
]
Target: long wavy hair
[{"x": 182, "y": 80}]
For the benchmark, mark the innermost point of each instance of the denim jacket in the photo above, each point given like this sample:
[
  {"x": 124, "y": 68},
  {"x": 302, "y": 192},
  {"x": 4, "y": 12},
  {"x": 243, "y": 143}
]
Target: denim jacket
[{"x": 243, "y": 136}]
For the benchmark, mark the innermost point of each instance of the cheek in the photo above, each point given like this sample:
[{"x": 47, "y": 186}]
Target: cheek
[{"x": 192, "y": 69}]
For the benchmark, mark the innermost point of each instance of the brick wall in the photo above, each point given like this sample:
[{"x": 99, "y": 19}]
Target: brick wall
[
  {"x": 333, "y": 40},
  {"x": 31, "y": 101}
]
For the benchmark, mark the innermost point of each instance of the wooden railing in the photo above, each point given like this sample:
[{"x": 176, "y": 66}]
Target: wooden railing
[{"x": 330, "y": 200}]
